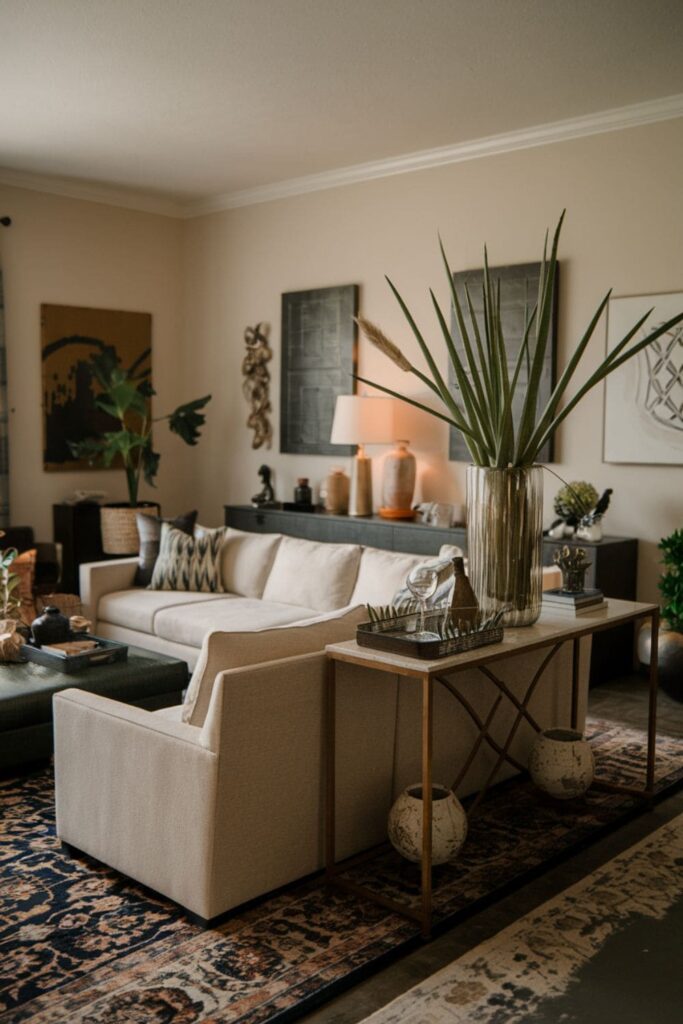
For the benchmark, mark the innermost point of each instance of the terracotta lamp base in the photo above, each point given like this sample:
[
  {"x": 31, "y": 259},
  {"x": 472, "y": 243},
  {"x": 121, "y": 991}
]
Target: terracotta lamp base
[{"x": 396, "y": 513}]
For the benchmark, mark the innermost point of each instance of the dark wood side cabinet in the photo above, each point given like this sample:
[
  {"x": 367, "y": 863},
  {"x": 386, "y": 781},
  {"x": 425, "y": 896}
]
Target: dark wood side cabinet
[
  {"x": 77, "y": 529},
  {"x": 614, "y": 560}
]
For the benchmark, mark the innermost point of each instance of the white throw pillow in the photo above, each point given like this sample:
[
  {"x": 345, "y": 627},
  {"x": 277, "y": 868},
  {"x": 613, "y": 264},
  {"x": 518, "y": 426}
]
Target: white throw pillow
[
  {"x": 381, "y": 574},
  {"x": 319, "y": 576},
  {"x": 246, "y": 561}
]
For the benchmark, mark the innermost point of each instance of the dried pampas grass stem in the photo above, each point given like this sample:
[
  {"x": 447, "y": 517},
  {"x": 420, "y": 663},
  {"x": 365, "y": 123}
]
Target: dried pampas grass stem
[{"x": 380, "y": 341}]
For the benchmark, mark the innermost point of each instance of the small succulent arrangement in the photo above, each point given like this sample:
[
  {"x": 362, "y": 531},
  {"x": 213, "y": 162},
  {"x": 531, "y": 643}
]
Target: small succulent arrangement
[
  {"x": 671, "y": 581},
  {"x": 572, "y": 564},
  {"x": 125, "y": 397}
]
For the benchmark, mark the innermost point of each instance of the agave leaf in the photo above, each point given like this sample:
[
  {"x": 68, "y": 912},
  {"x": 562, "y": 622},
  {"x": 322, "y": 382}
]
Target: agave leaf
[
  {"x": 477, "y": 373},
  {"x": 461, "y": 425},
  {"x": 474, "y": 413},
  {"x": 545, "y": 306},
  {"x": 608, "y": 366},
  {"x": 443, "y": 389}
]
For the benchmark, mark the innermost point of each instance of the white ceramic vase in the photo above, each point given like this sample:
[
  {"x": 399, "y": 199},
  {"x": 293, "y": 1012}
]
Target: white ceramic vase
[
  {"x": 561, "y": 763},
  {"x": 449, "y": 824}
]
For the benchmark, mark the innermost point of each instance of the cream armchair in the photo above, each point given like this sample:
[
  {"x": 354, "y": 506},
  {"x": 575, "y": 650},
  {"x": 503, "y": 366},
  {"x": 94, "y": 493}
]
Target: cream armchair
[{"x": 215, "y": 813}]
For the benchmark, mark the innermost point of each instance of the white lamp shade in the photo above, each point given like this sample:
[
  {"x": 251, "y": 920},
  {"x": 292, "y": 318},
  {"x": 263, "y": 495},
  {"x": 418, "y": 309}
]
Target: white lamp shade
[{"x": 363, "y": 420}]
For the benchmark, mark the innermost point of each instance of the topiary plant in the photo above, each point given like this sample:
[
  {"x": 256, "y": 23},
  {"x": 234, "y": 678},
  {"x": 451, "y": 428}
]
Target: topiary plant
[
  {"x": 671, "y": 581},
  {"x": 574, "y": 500}
]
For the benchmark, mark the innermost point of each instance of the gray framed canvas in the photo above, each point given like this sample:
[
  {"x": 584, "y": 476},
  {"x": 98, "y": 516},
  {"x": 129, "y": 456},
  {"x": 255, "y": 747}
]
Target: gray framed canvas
[
  {"x": 518, "y": 296},
  {"x": 644, "y": 397},
  {"x": 319, "y": 358}
]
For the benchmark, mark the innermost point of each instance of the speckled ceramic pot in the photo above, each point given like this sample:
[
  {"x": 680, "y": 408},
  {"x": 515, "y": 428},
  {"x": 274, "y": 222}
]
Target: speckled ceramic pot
[
  {"x": 561, "y": 763},
  {"x": 449, "y": 824}
]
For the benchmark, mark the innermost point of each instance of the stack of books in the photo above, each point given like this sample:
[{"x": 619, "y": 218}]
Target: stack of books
[{"x": 584, "y": 603}]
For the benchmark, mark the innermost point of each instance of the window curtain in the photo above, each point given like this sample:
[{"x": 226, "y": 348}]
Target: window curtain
[{"x": 4, "y": 421}]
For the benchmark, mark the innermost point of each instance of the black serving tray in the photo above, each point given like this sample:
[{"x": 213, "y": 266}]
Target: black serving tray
[
  {"x": 106, "y": 652},
  {"x": 394, "y": 635}
]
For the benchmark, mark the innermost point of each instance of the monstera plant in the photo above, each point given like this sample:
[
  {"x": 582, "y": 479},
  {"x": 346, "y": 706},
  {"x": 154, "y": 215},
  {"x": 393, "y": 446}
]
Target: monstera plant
[
  {"x": 127, "y": 400},
  {"x": 504, "y": 484}
]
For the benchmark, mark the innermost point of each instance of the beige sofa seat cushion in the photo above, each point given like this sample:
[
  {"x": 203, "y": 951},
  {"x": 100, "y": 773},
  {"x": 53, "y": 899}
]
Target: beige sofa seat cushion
[
  {"x": 246, "y": 561},
  {"x": 226, "y": 650},
  {"x": 189, "y": 624},
  {"x": 381, "y": 574},
  {"x": 137, "y": 609},
  {"x": 319, "y": 576}
]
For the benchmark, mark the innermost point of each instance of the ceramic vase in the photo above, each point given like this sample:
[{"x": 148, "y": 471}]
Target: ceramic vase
[
  {"x": 505, "y": 541},
  {"x": 669, "y": 658},
  {"x": 561, "y": 763},
  {"x": 398, "y": 483},
  {"x": 449, "y": 824},
  {"x": 337, "y": 487}
]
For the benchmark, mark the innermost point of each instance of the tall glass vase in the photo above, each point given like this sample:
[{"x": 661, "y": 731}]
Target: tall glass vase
[{"x": 505, "y": 541}]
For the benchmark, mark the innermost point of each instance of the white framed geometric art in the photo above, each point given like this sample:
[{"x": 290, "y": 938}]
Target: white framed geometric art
[{"x": 644, "y": 397}]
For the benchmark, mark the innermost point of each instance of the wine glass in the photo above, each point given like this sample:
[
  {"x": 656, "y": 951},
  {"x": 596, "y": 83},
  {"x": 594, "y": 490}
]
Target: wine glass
[{"x": 422, "y": 583}]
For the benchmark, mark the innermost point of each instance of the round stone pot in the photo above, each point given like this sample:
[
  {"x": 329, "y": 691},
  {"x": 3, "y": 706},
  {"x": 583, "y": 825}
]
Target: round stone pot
[
  {"x": 669, "y": 658},
  {"x": 561, "y": 763},
  {"x": 449, "y": 824}
]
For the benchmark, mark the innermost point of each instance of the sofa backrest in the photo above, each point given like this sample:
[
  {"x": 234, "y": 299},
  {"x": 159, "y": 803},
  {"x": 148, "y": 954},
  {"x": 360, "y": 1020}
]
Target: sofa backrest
[
  {"x": 223, "y": 650},
  {"x": 246, "y": 561},
  {"x": 313, "y": 575}
]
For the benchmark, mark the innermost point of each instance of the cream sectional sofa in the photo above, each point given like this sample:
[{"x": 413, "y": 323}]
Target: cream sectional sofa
[
  {"x": 220, "y": 800},
  {"x": 269, "y": 581}
]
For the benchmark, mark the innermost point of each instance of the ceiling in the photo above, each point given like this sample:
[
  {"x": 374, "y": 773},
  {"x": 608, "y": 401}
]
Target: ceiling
[{"x": 192, "y": 99}]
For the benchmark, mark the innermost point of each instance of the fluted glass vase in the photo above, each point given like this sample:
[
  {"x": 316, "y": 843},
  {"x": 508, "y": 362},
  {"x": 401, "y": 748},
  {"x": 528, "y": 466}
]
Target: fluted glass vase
[{"x": 505, "y": 541}]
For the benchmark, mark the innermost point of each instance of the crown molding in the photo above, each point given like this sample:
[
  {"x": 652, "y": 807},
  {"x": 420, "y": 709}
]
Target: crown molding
[
  {"x": 662, "y": 109},
  {"x": 143, "y": 202}
]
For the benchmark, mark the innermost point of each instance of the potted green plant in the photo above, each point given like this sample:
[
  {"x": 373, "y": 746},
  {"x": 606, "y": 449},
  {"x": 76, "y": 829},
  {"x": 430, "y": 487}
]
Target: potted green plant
[
  {"x": 670, "y": 637},
  {"x": 127, "y": 400},
  {"x": 504, "y": 484}
]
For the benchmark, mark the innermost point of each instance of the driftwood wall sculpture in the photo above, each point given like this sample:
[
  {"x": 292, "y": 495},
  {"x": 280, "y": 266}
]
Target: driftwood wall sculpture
[{"x": 256, "y": 384}]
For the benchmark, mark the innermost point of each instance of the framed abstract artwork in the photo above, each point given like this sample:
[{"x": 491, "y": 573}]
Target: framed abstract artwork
[
  {"x": 70, "y": 335},
  {"x": 319, "y": 358},
  {"x": 644, "y": 397},
  {"x": 518, "y": 296}
]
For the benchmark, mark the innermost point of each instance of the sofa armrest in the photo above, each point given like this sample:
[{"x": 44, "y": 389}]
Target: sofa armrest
[
  {"x": 100, "y": 578},
  {"x": 136, "y": 791}
]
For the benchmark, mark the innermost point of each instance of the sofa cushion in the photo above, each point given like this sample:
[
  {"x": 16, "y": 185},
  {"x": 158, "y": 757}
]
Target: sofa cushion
[
  {"x": 188, "y": 563},
  {"x": 246, "y": 561},
  {"x": 136, "y": 609},
  {"x": 318, "y": 576},
  {"x": 189, "y": 624},
  {"x": 226, "y": 650},
  {"x": 149, "y": 528},
  {"x": 381, "y": 574}
]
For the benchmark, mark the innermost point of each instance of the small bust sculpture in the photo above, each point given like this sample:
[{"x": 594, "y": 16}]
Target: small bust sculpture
[{"x": 266, "y": 496}]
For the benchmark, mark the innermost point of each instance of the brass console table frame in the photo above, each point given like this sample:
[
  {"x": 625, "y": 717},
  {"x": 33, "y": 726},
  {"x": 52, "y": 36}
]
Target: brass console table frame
[{"x": 549, "y": 632}]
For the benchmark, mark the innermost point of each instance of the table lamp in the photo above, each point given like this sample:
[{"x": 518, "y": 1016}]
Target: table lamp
[{"x": 361, "y": 420}]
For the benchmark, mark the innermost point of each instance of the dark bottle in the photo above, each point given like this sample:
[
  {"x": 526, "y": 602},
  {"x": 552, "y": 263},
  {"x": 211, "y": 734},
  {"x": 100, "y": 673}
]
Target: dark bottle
[
  {"x": 464, "y": 605},
  {"x": 303, "y": 495},
  {"x": 51, "y": 627}
]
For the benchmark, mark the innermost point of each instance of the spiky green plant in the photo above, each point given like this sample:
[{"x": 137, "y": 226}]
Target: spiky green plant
[{"x": 482, "y": 410}]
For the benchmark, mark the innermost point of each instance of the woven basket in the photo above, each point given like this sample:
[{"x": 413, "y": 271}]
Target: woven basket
[{"x": 119, "y": 527}]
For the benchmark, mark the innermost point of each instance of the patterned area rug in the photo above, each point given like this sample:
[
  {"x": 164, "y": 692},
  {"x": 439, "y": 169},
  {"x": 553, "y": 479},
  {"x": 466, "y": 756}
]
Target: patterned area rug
[
  {"x": 80, "y": 943},
  {"x": 539, "y": 969}
]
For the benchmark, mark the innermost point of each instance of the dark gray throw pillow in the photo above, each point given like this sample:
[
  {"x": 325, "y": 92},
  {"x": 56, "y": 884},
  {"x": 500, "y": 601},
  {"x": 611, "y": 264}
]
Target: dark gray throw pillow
[{"x": 149, "y": 528}]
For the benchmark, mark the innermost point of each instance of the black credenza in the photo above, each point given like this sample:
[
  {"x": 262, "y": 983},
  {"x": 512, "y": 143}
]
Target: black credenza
[
  {"x": 614, "y": 560},
  {"x": 77, "y": 529}
]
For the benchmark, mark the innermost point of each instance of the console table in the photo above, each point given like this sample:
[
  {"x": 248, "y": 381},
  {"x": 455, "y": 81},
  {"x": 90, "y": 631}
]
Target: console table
[
  {"x": 549, "y": 633},
  {"x": 614, "y": 560}
]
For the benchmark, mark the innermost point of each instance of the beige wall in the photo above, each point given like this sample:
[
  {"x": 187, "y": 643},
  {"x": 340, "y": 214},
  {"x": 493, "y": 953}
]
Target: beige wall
[
  {"x": 624, "y": 229},
  {"x": 80, "y": 253}
]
